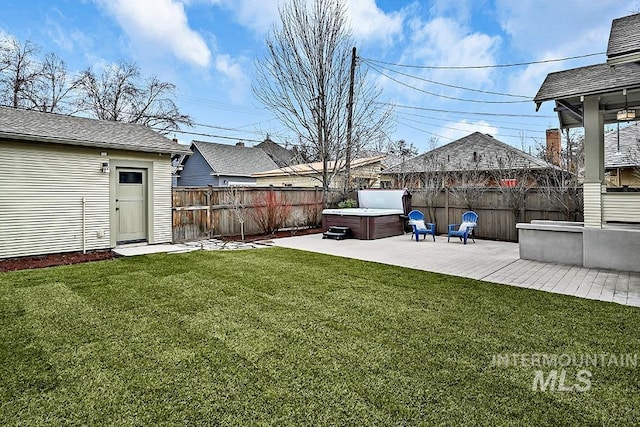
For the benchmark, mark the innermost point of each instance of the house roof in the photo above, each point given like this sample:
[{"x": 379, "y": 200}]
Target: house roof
[
  {"x": 233, "y": 160},
  {"x": 27, "y": 125},
  {"x": 625, "y": 150},
  {"x": 280, "y": 155},
  {"x": 616, "y": 83},
  {"x": 476, "y": 151},
  {"x": 623, "y": 40},
  {"x": 316, "y": 167}
]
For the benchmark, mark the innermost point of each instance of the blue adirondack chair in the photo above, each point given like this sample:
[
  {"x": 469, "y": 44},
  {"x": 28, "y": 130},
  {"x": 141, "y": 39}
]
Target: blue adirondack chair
[
  {"x": 416, "y": 220},
  {"x": 465, "y": 229}
]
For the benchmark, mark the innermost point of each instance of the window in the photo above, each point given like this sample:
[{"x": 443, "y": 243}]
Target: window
[{"x": 130, "y": 177}]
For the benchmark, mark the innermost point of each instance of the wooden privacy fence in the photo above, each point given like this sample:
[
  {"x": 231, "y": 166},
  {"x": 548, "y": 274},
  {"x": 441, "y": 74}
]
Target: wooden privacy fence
[
  {"x": 205, "y": 212},
  {"x": 497, "y": 221}
]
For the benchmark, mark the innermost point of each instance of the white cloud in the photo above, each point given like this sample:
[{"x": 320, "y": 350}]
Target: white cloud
[
  {"x": 257, "y": 15},
  {"x": 443, "y": 41},
  {"x": 160, "y": 25},
  {"x": 456, "y": 130},
  {"x": 370, "y": 23},
  {"x": 233, "y": 72}
]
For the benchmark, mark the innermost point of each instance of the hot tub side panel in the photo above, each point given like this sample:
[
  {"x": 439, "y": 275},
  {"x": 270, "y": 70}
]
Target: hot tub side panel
[
  {"x": 366, "y": 227},
  {"x": 385, "y": 226}
]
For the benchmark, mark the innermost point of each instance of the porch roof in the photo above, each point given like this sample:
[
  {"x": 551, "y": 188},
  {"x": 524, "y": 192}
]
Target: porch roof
[{"x": 569, "y": 87}]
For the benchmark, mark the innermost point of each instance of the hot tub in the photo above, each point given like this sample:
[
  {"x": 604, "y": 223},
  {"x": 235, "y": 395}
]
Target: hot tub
[{"x": 383, "y": 218}]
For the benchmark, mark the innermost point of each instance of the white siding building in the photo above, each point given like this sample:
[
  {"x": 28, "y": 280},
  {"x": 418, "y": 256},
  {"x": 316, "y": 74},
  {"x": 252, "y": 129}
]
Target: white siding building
[{"x": 70, "y": 184}]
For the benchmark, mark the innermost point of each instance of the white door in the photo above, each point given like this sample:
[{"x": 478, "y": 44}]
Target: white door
[{"x": 131, "y": 205}]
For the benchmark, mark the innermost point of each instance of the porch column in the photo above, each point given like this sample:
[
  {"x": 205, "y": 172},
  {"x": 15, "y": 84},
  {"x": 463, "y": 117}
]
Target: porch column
[{"x": 593, "y": 123}]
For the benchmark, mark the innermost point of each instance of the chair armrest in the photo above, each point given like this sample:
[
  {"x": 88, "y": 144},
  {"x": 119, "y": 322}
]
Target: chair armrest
[
  {"x": 430, "y": 225},
  {"x": 453, "y": 227}
]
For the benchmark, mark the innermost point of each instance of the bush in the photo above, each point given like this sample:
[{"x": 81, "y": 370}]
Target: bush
[
  {"x": 349, "y": 203},
  {"x": 270, "y": 211}
]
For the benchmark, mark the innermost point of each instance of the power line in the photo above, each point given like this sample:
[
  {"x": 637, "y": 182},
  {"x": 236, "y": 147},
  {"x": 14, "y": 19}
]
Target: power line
[
  {"x": 466, "y": 130},
  {"x": 440, "y": 119},
  {"x": 472, "y": 113},
  {"x": 472, "y": 67},
  {"x": 445, "y": 96},
  {"x": 450, "y": 85}
]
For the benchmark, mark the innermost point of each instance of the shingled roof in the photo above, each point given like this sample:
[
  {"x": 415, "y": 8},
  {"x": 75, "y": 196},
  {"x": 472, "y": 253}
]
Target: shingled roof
[
  {"x": 233, "y": 160},
  {"x": 35, "y": 126},
  {"x": 280, "y": 155},
  {"x": 623, "y": 151},
  {"x": 616, "y": 83},
  {"x": 623, "y": 40},
  {"x": 316, "y": 167},
  {"x": 476, "y": 151}
]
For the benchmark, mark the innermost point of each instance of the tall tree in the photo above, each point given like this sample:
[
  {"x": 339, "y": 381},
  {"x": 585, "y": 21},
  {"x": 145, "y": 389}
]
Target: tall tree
[
  {"x": 121, "y": 94},
  {"x": 52, "y": 91},
  {"x": 305, "y": 80},
  {"x": 19, "y": 71}
]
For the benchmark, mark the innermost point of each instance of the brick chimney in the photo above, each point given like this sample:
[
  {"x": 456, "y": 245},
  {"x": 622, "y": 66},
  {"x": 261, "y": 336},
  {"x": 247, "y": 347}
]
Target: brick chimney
[
  {"x": 554, "y": 146},
  {"x": 239, "y": 144}
]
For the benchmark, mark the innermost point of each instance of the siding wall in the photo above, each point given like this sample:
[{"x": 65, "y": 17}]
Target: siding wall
[
  {"x": 41, "y": 192},
  {"x": 160, "y": 186},
  {"x": 196, "y": 172}
]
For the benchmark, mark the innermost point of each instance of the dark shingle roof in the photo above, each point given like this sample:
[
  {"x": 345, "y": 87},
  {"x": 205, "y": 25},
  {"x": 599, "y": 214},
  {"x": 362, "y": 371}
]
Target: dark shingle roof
[
  {"x": 623, "y": 39},
  {"x": 590, "y": 80},
  {"x": 234, "y": 160},
  {"x": 280, "y": 155},
  {"x": 626, "y": 152},
  {"x": 29, "y": 125},
  {"x": 476, "y": 151}
]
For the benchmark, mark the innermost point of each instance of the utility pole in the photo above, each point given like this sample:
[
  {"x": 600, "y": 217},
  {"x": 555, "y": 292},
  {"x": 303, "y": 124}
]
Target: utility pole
[{"x": 350, "y": 120}]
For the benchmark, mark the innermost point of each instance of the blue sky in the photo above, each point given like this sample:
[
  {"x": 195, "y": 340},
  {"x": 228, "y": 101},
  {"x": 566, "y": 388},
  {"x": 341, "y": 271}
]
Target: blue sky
[{"x": 208, "y": 48}]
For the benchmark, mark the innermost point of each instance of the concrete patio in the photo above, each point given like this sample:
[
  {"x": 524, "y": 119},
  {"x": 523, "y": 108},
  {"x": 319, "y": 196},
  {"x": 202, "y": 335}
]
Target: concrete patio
[{"x": 486, "y": 260}]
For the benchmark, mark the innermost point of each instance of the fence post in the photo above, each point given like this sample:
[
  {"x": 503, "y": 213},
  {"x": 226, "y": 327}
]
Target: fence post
[{"x": 209, "y": 212}]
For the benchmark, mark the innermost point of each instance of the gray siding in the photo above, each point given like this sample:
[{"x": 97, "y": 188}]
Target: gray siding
[{"x": 196, "y": 172}]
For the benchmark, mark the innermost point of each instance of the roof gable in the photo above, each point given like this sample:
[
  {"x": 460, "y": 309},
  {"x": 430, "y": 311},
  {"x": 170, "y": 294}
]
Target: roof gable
[
  {"x": 476, "y": 151},
  {"x": 35, "y": 126},
  {"x": 623, "y": 40},
  {"x": 235, "y": 160},
  {"x": 623, "y": 149},
  {"x": 280, "y": 155}
]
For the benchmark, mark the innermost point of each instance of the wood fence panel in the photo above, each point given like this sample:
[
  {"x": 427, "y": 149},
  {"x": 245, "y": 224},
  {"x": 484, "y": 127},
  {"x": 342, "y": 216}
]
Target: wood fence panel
[{"x": 204, "y": 212}]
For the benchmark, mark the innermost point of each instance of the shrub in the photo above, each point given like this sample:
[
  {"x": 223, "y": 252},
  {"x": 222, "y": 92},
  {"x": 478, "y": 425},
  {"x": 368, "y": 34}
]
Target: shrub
[
  {"x": 270, "y": 211},
  {"x": 349, "y": 203}
]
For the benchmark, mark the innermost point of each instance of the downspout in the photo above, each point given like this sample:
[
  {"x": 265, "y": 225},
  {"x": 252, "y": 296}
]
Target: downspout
[{"x": 84, "y": 226}]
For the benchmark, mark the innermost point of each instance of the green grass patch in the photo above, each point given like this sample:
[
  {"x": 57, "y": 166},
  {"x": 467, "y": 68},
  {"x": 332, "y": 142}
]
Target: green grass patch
[{"x": 277, "y": 336}]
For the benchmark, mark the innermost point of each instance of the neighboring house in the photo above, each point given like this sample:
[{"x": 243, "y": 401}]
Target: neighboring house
[
  {"x": 622, "y": 157},
  {"x": 280, "y": 155},
  {"x": 76, "y": 184},
  {"x": 478, "y": 157},
  {"x": 222, "y": 165},
  {"x": 365, "y": 173},
  {"x": 592, "y": 97}
]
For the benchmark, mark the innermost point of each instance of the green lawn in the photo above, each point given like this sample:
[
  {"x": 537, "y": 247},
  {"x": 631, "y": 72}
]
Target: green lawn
[{"x": 277, "y": 336}]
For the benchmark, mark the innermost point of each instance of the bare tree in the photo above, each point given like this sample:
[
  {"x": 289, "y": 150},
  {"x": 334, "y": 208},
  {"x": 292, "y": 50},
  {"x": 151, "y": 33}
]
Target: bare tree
[
  {"x": 514, "y": 180},
  {"x": 53, "y": 89},
  {"x": 562, "y": 185},
  {"x": 120, "y": 94},
  {"x": 19, "y": 71},
  {"x": 234, "y": 198},
  {"x": 468, "y": 186},
  {"x": 305, "y": 80}
]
